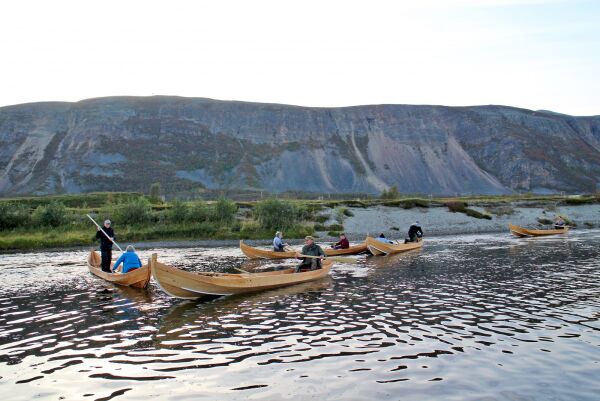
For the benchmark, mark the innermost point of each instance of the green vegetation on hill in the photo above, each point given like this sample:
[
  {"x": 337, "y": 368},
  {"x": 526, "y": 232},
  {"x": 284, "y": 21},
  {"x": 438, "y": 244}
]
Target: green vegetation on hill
[{"x": 53, "y": 221}]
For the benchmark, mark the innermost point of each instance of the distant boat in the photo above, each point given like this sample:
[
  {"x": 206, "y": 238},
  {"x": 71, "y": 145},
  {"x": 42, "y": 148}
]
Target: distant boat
[
  {"x": 377, "y": 247},
  {"x": 524, "y": 232},
  {"x": 257, "y": 253},
  {"x": 190, "y": 285},
  {"x": 138, "y": 278}
]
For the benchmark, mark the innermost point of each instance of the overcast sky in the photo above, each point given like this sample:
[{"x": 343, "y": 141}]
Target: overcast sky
[{"x": 532, "y": 54}]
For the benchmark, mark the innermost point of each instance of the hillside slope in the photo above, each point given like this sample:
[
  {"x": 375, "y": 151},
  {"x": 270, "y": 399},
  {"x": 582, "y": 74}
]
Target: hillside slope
[{"x": 127, "y": 143}]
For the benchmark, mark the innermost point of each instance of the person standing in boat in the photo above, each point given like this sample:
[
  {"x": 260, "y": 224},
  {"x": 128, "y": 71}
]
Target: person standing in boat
[
  {"x": 342, "y": 243},
  {"x": 130, "y": 260},
  {"x": 106, "y": 244},
  {"x": 278, "y": 244},
  {"x": 559, "y": 223},
  {"x": 310, "y": 249},
  {"x": 414, "y": 232}
]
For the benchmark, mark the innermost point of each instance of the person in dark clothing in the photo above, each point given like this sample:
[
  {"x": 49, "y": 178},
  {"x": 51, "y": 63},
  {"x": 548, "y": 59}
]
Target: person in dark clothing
[
  {"x": 106, "y": 245},
  {"x": 414, "y": 232},
  {"x": 559, "y": 223},
  {"x": 343, "y": 243},
  {"x": 310, "y": 249}
]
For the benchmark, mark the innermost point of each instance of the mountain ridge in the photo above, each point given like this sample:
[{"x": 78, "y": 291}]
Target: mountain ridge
[{"x": 127, "y": 143}]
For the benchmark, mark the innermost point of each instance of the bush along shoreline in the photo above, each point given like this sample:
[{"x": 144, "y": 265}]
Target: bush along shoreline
[{"x": 60, "y": 221}]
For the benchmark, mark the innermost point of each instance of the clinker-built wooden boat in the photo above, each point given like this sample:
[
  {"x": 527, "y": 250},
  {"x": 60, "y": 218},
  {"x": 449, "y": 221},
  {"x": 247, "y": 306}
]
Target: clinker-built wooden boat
[
  {"x": 138, "y": 278},
  {"x": 257, "y": 253},
  {"x": 353, "y": 250},
  {"x": 183, "y": 284},
  {"x": 377, "y": 247},
  {"x": 524, "y": 232}
]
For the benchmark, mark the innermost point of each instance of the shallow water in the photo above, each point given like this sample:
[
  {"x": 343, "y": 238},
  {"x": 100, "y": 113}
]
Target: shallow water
[{"x": 483, "y": 317}]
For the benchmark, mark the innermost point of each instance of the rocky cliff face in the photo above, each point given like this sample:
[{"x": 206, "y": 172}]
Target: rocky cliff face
[{"x": 126, "y": 143}]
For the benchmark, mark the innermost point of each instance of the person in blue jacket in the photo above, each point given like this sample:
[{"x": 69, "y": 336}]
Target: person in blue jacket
[{"x": 130, "y": 260}]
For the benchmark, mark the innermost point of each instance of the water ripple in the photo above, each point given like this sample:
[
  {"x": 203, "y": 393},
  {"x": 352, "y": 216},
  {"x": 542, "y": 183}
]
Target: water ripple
[{"x": 522, "y": 317}]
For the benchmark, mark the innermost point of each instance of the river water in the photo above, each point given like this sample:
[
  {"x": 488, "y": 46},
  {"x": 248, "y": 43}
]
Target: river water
[{"x": 483, "y": 317}]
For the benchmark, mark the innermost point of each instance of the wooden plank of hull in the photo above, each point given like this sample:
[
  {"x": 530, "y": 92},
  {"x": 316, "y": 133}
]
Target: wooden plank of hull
[
  {"x": 256, "y": 253},
  {"x": 374, "y": 250},
  {"x": 138, "y": 278},
  {"x": 388, "y": 249},
  {"x": 353, "y": 250},
  {"x": 182, "y": 284},
  {"x": 524, "y": 232}
]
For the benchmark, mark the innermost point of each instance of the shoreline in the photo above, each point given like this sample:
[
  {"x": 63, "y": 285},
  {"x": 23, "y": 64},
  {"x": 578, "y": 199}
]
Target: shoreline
[{"x": 393, "y": 219}]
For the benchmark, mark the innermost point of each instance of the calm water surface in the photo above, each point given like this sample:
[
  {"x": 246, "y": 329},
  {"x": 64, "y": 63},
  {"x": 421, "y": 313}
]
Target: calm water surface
[{"x": 484, "y": 317}]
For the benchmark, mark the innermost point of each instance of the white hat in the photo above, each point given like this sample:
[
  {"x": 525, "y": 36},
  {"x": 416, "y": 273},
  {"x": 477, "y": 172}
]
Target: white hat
[{"x": 107, "y": 222}]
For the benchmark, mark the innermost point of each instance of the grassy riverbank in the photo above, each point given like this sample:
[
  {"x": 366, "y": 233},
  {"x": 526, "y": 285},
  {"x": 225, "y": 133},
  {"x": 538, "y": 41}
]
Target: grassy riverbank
[{"x": 59, "y": 221}]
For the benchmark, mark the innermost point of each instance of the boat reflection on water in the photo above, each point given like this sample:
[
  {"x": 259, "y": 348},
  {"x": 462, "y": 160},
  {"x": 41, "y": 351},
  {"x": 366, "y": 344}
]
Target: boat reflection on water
[
  {"x": 393, "y": 260},
  {"x": 183, "y": 317}
]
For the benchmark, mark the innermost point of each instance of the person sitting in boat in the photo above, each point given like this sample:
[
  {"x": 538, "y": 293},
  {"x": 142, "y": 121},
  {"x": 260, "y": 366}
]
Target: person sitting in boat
[
  {"x": 382, "y": 238},
  {"x": 278, "y": 245},
  {"x": 310, "y": 249},
  {"x": 414, "y": 232},
  {"x": 343, "y": 243},
  {"x": 130, "y": 260},
  {"x": 559, "y": 223}
]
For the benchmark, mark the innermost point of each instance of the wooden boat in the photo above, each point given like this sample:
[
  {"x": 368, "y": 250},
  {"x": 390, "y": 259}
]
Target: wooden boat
[
  {"x": 138, "y": 278},
  {"x": 377, "y": 247},
  {"x": 353, "y": 250},
  {"x": 524, "y": 232},
  {"x": 189, "y": 285},
  {"x": 257, "y": 253}
]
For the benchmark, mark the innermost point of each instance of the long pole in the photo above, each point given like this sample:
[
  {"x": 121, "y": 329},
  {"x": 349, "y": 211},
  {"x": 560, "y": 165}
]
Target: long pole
[{"x": 104, "y": 232}]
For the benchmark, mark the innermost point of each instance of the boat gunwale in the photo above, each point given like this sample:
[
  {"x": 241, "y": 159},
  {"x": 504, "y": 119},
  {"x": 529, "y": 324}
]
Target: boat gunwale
[
  {"x": 388, "y": 249},
  {"x": 242, "y": 283}
]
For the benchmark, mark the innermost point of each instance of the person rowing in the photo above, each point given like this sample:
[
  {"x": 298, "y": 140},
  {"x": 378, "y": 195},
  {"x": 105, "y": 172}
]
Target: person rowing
[
  {"x": 414, "y": 232},
  {"x": 559, "y": 223},
  {"x": 310, "y": 249},
  {"x": 278, "y": 244},
  {"x": 130, "y": 260},
  {"x": 343, "y": 243}
]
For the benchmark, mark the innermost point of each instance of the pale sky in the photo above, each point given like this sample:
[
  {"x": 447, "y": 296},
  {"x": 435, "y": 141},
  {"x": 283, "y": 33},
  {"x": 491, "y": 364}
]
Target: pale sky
[{"x": 532, "y": 54}]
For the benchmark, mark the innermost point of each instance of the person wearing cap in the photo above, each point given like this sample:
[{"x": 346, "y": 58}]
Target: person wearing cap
[
  {"x": 278, "y": 245},
  {"x": 414, "y": 232},
  {"x": 106, "y": 245},
  {"x": 342, "y": 243},
  {"x": 559, "y": 223},
  {"x": 310, "y": 249},
  {"x": 130, "y": 260}
]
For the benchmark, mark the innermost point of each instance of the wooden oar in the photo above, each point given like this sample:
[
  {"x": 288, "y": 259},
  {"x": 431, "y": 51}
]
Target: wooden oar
[
  {"x": 339, "y": 259},
  {"x": 104, "y": 232}
]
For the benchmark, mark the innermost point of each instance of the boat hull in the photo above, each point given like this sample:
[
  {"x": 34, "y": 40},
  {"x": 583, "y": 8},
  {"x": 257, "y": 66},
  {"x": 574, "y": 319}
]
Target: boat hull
[
  {"x": 189, "y": 285},
  {"x": 524, "y": 232},
  {"x": 377, "y": 247},
  {"x": 257, "y": 253},
  {"x": 353, "y": 250},
  {"x": 138, "y": 278}
]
